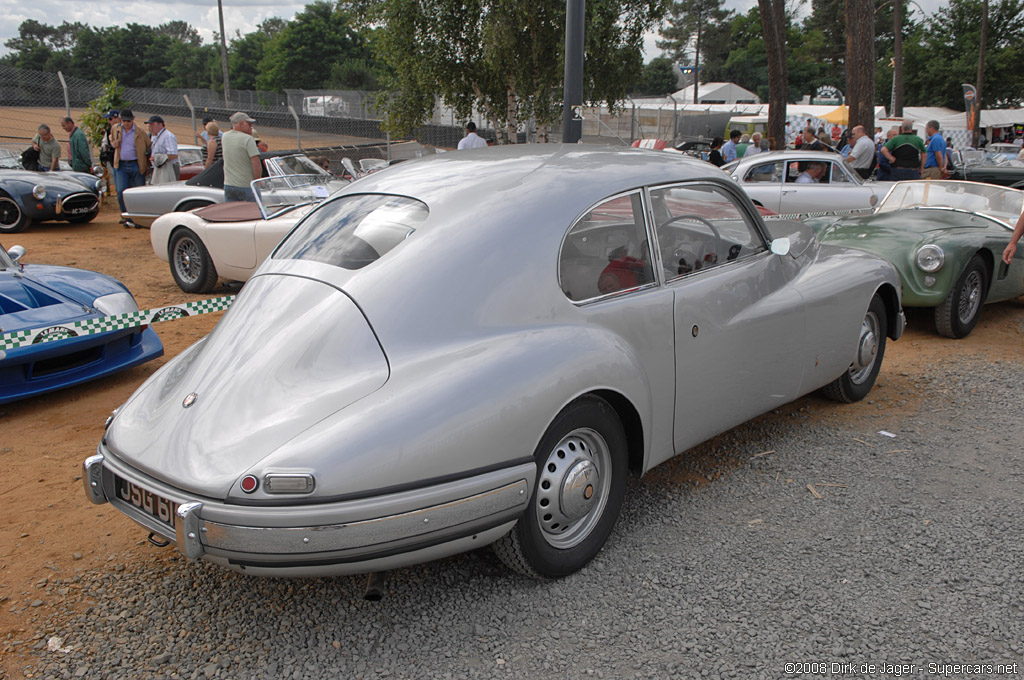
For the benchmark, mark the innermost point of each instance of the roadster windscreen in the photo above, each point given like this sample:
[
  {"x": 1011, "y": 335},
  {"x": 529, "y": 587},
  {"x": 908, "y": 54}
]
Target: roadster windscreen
[{"x": 353, "y": 231}]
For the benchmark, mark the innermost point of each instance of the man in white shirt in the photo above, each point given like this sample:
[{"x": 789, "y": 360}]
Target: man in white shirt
[
  {"x": 755, "y": 145},
  {"x": 862, "y": 156},
  {"x": 472, "y": 140},
  {"x": 164, "y": 150}
]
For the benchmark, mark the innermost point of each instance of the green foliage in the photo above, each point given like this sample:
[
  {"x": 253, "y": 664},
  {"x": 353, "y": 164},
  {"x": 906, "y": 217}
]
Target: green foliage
[
  {"x": 92, "y": 121},
  {"x": 504, "y": 57},
  {"x": 303, "y": 53},
  {"x": 659, "y": 78}
]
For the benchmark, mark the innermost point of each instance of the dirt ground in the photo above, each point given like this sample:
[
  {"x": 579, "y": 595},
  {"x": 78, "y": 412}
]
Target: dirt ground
[{"x": 49, "y": 530}]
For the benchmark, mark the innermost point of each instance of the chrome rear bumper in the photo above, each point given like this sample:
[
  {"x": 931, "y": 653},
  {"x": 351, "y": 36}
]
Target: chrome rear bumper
[{"x": 354, "y": 536}]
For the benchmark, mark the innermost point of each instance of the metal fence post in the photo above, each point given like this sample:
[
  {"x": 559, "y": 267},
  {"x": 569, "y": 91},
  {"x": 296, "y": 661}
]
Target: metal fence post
[
  {"x": 192, "y": 112},
  {"x": 298, "y": 130},
  {"x": 67, "y": 101}
]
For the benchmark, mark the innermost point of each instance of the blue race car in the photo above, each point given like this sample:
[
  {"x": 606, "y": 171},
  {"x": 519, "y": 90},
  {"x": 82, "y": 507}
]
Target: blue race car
[
  {"x": 64, "y": 195},
  {"x": 38, "y": 295}
]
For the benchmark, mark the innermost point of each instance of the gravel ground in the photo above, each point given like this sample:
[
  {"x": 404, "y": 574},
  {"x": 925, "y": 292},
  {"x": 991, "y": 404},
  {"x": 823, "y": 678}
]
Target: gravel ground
[{"x": 910, "y": 557}]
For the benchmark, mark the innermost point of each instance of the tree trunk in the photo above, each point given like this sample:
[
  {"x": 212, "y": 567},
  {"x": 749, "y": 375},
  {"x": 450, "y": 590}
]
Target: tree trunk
[
  {"x": 224, "y": 53},
  {"x": 513, "y": 122},
  {"x": 981, "y": 68},
  {"x": 696, "y": 53},
  {"x": 773, "y": 21},
  {"x": 860, "y": 63},
  {"x": 897, "y": 59}
]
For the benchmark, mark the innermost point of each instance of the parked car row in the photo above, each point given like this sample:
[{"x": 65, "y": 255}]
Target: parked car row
[{"x": 413, "y": 371}]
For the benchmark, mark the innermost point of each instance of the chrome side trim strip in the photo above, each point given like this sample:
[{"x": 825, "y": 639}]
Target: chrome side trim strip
[{"x": 367, "y": 533}]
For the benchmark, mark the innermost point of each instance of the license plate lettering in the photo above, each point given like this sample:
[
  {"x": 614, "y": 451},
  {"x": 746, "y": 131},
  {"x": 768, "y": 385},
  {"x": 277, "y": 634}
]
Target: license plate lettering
[{"x": 146, "y": 501}]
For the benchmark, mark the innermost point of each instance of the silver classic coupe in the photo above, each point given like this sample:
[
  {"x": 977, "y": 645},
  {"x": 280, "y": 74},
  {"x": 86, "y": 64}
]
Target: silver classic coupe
[{"x": 477, "y": 348}]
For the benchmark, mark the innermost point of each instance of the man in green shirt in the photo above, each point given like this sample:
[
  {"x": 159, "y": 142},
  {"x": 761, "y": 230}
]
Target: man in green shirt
[
  {"x": 241, "y": 158},
  {"x": 48, "y": 148},
  {"x": 81, "y": 157},
  {"x": 905, "y": 153}
]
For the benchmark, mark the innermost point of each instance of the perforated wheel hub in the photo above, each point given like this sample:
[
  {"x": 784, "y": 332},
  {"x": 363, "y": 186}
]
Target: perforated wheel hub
[
  {"x": 573, "y": 488},
  {"x": 867, "y": 349}
]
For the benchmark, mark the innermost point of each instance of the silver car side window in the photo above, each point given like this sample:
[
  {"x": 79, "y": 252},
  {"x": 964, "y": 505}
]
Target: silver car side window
[
  {"x": 699, "y": 227},
  {"x": 770, "y": 173},
  {"x": 606, "y": 252}
]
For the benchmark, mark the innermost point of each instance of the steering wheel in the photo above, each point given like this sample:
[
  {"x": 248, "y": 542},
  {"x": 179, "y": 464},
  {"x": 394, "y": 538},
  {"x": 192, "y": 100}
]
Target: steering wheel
[{"x": 714, "y": 232}]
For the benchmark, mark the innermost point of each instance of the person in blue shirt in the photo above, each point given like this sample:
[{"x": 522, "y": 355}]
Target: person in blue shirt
[
  {"x": 935, "y": 160},
  {"x": 729, "y": 148}
]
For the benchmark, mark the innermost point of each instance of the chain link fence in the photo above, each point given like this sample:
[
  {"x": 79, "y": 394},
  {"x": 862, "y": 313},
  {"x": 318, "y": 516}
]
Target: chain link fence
[{"x": 306, "y": 119}]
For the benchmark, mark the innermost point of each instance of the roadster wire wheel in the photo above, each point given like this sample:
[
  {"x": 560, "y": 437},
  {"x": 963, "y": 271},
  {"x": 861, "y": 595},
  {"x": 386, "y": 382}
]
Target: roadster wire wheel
[
  {"x": 191, "y": 265},
  {"x": 12, "y": 219},
  {"x": 857, "y": 381},
  {"x": 959, "y": 312},
  {"x": 581, "y": 480}
]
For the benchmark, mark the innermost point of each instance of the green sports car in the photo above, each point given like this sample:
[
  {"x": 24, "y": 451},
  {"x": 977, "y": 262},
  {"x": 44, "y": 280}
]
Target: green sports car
[{"x": 946, "y": 239}]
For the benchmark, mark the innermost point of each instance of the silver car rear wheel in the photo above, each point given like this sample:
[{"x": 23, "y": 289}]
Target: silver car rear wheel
[
  {"x": 859, "y": 378},
  {"x": 581, "y": 481}
]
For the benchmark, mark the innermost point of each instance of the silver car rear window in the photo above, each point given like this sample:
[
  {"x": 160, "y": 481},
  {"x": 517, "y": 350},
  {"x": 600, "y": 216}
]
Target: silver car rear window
[{"x": 353, "y": 231}]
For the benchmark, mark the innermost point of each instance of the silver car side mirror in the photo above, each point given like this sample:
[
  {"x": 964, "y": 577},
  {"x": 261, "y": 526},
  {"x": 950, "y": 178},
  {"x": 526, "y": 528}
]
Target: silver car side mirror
[
  {"x": 780, "y": 246},
  {"x": 16, "y": 253}
]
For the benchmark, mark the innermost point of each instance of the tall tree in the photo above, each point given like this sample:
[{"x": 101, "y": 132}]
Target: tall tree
[
  {"x": 774, "y": 21},
  {"x": 323, "y": 35},
  {"x": 860, "y": 62},
  {"x": 503, "y": 57},
  {"x": 981, "y": 65},
  {"x": 687, "y": 25}
]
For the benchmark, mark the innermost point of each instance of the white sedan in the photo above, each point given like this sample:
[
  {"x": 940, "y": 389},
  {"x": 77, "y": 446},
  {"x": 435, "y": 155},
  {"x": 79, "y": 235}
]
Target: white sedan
[
  {"x": 771, "y": 180},
  {"x": 229, "y": 240}
]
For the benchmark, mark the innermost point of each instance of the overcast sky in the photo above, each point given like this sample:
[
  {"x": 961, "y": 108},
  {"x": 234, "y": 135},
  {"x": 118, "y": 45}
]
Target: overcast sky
[{"x": 239, "y": 15}]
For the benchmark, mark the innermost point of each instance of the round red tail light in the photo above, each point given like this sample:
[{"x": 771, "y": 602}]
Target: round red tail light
[{"x": 250, "y": 483}]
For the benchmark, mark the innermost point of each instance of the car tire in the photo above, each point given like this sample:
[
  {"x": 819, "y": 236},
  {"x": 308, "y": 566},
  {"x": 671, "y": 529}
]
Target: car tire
[
  {"x": 581, "y": 481},
  {"x": 192, "y": 205},
  {"x": 857, "y": 381},
  {"x": 12, "y": 219},
  {"x": 959, "y": 312},
  {"x": 191, "y": 265}
]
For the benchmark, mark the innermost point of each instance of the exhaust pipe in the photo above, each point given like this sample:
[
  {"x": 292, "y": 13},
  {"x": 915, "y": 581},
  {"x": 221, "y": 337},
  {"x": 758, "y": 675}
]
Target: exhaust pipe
[{"x": 374, "y": 587}]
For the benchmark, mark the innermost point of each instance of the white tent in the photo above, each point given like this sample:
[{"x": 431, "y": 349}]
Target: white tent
[{"x": 717, "y": 93}]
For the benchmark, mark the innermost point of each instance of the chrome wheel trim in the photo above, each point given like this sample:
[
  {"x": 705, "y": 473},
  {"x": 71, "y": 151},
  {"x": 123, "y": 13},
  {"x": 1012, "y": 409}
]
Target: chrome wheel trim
[
  {"x": 867, "y": 349},
  {"x": 573, "y": 487},
  {"x": 187, "y": 260},
  {"x": 970, "y": 297},
  {"x": 10, "y": 212}
]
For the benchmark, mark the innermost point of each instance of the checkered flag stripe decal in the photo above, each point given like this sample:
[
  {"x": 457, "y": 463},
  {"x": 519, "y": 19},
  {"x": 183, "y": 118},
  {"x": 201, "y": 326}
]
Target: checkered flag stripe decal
[
  {"x": 117, "y": 322},
  {"x": 823, "y": 213}
]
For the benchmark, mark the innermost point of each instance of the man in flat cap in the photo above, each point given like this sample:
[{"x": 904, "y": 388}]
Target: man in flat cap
[
  {"x": 131, "y": 154},
  {"x": 165, "y": 151},
  {"x": 241, "y": 158}
]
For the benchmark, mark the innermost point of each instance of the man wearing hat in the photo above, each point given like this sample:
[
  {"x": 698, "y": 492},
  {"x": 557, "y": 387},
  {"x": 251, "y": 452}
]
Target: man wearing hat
[
  {"x": 131, "y": 154},
  {"x": 241, "y": 158},
  {"x": 165, "y": 151}
]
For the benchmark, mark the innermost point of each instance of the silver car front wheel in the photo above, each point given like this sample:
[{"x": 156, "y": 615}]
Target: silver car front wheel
[{"x": 191, "y": 265}]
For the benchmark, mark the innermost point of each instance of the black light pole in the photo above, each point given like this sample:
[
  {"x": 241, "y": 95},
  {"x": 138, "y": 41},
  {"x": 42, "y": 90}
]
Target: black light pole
[{"x": 572, "y": 116}]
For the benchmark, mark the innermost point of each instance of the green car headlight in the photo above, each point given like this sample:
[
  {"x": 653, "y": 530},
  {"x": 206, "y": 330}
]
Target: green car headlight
[
  {"x": 39, "y": 191},
  {"x": 930, "y": 258}
]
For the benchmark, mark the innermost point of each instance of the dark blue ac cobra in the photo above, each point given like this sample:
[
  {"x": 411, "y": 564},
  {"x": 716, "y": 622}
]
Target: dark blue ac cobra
[
  {"x": 37, "y": 295},
  {"x": 64, "y": 195}
]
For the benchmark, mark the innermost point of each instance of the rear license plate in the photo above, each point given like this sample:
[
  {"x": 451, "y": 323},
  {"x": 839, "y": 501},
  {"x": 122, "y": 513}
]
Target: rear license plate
[{"x": 148, "y": 502}]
